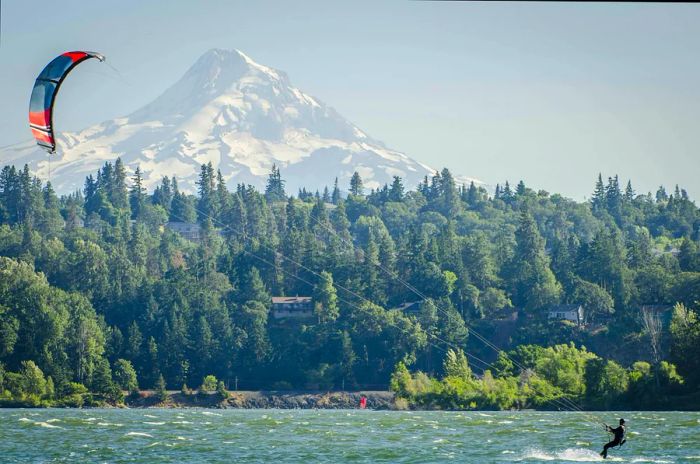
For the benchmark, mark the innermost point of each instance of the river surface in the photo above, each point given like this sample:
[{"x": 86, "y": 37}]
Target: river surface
[{"x": 308, "y": 436}]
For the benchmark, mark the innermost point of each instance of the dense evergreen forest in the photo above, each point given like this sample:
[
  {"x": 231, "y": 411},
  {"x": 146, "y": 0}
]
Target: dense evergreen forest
[{"x": 98, "y": 294}]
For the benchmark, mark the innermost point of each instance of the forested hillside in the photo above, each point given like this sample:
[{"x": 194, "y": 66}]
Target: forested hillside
[{"x": 97, "y": 290}]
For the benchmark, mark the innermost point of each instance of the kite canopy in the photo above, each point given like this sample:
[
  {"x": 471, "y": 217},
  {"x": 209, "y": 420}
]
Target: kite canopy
[{"x": 44, "y": 94}]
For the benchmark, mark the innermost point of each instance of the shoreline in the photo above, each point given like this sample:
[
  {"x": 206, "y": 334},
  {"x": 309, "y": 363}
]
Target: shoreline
[
  {"x": 268, "y": 399},
  {"x": 378, "y": 400}
]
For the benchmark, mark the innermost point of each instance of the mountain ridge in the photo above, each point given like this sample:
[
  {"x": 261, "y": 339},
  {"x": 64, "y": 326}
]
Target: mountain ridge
[{"x": 241, "y": 116}]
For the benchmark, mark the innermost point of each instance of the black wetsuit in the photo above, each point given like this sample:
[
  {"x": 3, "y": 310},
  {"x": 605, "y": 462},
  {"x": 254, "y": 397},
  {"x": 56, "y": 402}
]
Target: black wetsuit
[{"x": 619, "y": 438}]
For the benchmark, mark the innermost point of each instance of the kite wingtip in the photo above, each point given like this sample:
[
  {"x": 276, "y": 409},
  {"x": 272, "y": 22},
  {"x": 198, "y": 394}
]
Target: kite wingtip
[{"x": 99, "y": 56}]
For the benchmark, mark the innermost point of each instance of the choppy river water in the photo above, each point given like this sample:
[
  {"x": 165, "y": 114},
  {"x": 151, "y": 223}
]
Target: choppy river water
[{"x": 306, "y": 436}]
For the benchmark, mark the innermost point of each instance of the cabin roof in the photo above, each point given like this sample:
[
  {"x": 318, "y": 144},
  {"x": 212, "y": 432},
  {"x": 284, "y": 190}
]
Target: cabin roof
[
  {"x": 290, "y": 299},
  {"x": 564, "y": 308}
]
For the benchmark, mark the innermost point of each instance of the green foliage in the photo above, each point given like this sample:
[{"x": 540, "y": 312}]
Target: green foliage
[
  {"x": 326, "y": 299},
  {"x": 456, "y": 364},
  {"x": 97, "y": 279},
  {"x": 685, "y": 341},
  {"x": 221, "y": 390},
  {"x": 208, "y": 384},
  {"x": 33, "y": 381},
  {"x": 534, "y": 285},
  {"x": 594, "y": 298},
  {"x": 564, "y": 366},
  {"x": 567, "y": 377},
  {"x": 161, "y": 393},
  {"x": 125, "y": 375},
  {"x": 606, "y": 382}
]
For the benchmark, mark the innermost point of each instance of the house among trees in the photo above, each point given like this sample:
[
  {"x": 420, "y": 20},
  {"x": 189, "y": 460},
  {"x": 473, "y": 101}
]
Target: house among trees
[
  {"x": 296, "y": 307},
  {"x": 190, "y": 231},
  {"x": 410, "y": 307},
  {"x": 568, "y": 312}
]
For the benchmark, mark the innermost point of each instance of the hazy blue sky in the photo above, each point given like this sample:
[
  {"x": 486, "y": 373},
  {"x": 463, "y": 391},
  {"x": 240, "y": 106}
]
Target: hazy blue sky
[{"x": 548, "y": 93}]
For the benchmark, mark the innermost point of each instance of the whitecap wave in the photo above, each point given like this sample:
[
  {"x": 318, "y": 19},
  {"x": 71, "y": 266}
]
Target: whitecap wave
[
  {"x": 47, "y": 425},
  {"x": 39, "y": 423},
  {"x": 658, "y": 461},
  {"x": 567, "y": 455},
  {"x": 138, "y": 434}
]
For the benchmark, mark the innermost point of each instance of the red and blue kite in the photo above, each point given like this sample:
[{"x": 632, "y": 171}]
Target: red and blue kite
[{"x": 44, "y": 94}]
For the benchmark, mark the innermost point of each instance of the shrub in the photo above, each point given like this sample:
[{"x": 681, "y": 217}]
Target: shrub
[
  {"x": 208, "y": 384},
  {"x": 161, "y": 392},
  {"x": 221, "y": 390}
]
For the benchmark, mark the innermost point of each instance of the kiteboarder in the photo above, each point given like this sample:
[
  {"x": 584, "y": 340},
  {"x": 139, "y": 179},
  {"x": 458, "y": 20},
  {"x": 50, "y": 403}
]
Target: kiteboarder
[{"x": 618, "y": 440}]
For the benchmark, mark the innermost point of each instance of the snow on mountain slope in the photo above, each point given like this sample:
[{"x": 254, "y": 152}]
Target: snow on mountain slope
[{"x": 237, "y": 114}]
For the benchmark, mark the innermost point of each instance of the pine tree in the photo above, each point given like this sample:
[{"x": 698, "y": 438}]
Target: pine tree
[
  {"x": 163, "y": 194},
  {"x": 160, "y": 391},
  {"x": 435, "y": 189},
  {"x": 507, "y": 194},
  {"x": 325, "y": 299},
  {"x": 235, "y": 218},
  {"x": 356, "y": 184},
  {"x": 424, "y": 187},
  {"x": 396, "y": 192},
  {"x": 117, "y": 192},
  {"x": 137, "y": 195},
  {"x": 341, "y": 225},
  {"x": 348, "y": 358},
  {"x": 449, "y": 198},
  {"x": 374, "y": 284},
  {"x": 613, "y": 197},
  {"x": 472, "y": 194},
  {"x": 629, "y": 192},
  {"x": 203, "y": 345},
  {"x": 182, "y": 207},
  {"x": 253, "y": 288},
  {"x": 533, "y": 284},
  {"x": 661, "y": 195},
  {"x": 335, "y": 197},
  {"x": 51, "y": 221},
  {"x": 598, "y": 201},
  {"x": 207, "y": 207},
  {"x": 90, "y": 192},
  {"x": 134, "y": 342},
  {"x": 274, "y": 190}
]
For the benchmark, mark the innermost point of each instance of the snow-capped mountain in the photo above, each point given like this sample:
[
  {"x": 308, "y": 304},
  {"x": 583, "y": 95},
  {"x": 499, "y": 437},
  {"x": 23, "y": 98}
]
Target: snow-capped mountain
[{"x": 238, "y": 114}]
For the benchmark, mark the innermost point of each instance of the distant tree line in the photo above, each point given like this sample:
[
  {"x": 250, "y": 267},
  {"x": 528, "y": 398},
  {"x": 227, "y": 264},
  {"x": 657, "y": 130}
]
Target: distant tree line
[{"x": 96, "y": 294}]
